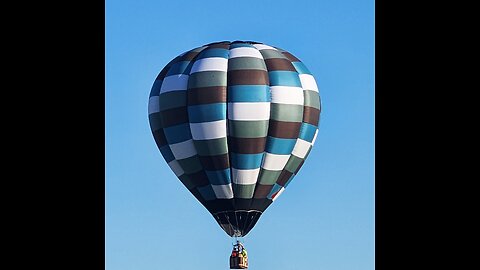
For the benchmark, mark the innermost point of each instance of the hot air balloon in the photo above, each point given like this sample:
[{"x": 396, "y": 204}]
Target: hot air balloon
[{"x": 235, "y": 122}]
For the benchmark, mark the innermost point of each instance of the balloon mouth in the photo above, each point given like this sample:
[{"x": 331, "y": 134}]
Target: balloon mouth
[{"x": 237, "y": 223}]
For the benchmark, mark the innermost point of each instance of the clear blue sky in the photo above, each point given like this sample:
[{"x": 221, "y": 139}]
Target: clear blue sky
[{"x": 324, "y": 219}]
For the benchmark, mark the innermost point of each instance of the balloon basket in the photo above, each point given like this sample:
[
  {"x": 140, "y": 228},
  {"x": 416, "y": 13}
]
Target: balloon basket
[{"x": 238, "y": 262}]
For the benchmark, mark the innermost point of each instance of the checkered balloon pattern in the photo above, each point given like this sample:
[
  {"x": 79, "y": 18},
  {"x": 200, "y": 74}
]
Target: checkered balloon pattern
[{"x": 235, "y": 122}]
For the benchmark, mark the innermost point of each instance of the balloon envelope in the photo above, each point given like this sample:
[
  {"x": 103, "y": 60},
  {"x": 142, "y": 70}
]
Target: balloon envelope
[{"x": 235, "y": 122}]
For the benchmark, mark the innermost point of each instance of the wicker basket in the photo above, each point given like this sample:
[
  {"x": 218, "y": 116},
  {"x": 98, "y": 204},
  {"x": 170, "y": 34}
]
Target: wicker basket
[{"x": 238, "y": 262}]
